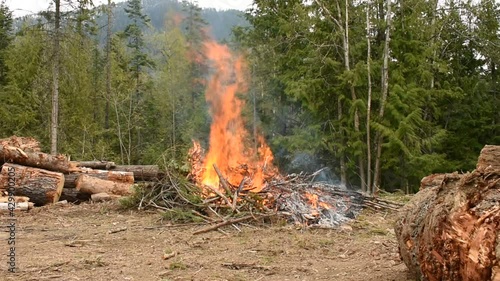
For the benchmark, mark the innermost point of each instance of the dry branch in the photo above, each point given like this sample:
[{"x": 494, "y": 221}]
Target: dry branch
[{"x": 221, "y": 224}]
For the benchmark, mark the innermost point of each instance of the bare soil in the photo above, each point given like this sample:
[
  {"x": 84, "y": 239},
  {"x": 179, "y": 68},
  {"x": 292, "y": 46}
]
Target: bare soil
[{"x": 104, "y": 242}]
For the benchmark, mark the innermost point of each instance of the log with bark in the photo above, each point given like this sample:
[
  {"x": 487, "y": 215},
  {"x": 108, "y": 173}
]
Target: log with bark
[
  {"x": 92, "y": 185},
  {"x": 450, "y": 230},
  {"x": 116, "y": 176},
  {"x": 141, "y": 172},
  {"x": 58, "y": 163},
  {"x": 41, "y": 186},
  {"x": 74, "y": 196},
  {"x": 106, "y": 165}
]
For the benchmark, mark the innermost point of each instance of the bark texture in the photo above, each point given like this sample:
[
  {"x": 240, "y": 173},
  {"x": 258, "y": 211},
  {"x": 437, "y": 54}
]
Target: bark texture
[
  {"x": 450, "y": 230},
  {"x": 41, "y": 186}
]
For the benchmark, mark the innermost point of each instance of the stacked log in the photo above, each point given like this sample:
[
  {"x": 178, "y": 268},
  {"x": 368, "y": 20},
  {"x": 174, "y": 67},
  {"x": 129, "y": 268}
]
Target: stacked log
[
  {"x": 450, "y": 230},
  {"x": 45, "y": 178},
  {"x": 40, "y": 186}
]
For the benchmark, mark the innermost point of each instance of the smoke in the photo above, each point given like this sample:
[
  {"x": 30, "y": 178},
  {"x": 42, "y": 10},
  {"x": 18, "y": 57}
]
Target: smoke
[{"x": 309, "y": 163}]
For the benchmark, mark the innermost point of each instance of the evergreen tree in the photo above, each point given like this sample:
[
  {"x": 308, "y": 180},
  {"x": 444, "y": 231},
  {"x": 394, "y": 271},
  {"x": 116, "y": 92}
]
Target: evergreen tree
[{"x": 5, "y": 38}]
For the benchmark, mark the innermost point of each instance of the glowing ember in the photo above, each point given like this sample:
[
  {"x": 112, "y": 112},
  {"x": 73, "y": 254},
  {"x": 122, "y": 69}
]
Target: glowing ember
[
  {"x": 229, "y": 147},
  {"x": 315, "y": 203}
]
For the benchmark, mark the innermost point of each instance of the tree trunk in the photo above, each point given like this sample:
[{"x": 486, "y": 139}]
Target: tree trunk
[
  {"x": 91, "y": 185},
  {"x": 55, "y": 82},
  {"x": 369, "y": 102},
  {"x": 141, "y": 172},
  {"x": 108, "y": 67},
  {"x": 116, "y": 176},
  {"x": 58, "y": 163},
  {"x": 24, "y": 143},
  {"x": 450, "y": 230},
  {"x": 96, "y": 164},
  {"x": 385, "y": 90},
  {"x": 41, "y": 186}
]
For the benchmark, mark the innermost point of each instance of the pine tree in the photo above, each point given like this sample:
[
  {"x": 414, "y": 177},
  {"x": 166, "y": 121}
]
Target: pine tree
[{"x": 5, "y": 38}]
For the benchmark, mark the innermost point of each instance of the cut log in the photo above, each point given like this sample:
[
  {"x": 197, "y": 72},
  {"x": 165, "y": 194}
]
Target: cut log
[
  {"x": 141, "y": 172},
  {"x": 41, "y": 186},
  {"x": 91, "y": 185},
  {"x": 106, "y": 165},
  {"x": 450, "y": 230},
  {"x": 24, "y": 143},
  {"x": 21, "y": 206},
  {"x": 74, "y": 196},
  {"x": 41, "y": 160},
  {"x": 116, "y": 176},
  {"x": 17, "y": 199},
  {"x": 102, "y": 197}
]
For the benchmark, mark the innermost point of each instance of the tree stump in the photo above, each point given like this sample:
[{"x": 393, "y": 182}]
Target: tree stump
[
  {"x": 41, "y": 186},
  {"x": 450, "y": 230}
]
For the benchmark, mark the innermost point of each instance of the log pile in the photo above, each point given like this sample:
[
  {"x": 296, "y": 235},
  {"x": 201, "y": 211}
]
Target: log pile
[
  {"x": 450, "y": 230},
  {"x": 45, "y": 179}
]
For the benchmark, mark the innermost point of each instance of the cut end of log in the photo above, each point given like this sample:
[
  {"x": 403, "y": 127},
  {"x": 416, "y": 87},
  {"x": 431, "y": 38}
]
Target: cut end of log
[{"x": 41, "y": 186}]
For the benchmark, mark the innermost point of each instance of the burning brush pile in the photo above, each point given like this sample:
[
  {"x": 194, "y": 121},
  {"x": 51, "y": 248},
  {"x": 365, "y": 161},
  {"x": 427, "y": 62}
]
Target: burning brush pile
[{"x": 235, "y": 180}]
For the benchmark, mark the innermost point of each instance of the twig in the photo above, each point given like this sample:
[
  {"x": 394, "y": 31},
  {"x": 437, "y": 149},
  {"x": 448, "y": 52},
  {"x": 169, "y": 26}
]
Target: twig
[
  {"x": 224, "y": 223},
  {"x": 221, "y": 196},
  {"x": 117, "y": 230},
  {"x": 235, "y": 196}
]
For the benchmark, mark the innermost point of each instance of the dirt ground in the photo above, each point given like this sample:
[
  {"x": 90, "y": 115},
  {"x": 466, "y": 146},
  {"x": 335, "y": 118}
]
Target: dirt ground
[{"x": 104, "y": 242}]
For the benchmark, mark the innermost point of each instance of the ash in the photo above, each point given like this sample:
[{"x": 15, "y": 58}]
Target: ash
[{"x": 316, "y": 204}]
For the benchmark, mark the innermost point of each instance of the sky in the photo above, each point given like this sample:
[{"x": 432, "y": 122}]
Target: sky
[{"x": 26, "y": 7}]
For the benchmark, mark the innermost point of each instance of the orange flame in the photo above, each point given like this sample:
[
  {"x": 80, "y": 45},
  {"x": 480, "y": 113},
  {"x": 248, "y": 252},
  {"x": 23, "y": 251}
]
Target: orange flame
[
  {"x": 229, "y": 149},
  {"x": 313, "y": 199}
]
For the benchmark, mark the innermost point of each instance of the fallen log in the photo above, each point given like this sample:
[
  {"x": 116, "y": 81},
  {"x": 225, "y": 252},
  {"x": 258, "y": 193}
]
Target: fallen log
[
  {"x": 141, "y": 172},
  {"x": 116, "y": 176},
  {"x": 41, "y": 186},
  {"x": 106, "y": 165},
  {"x": 58, "y": 163},
  {"x": 92, "y": 185},
  {"x": 450, "y": 230},
  {"x": 24, "y": 143}
]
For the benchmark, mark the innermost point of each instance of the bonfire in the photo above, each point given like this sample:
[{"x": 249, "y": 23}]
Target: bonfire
[{"x": 235, "y": 178}]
